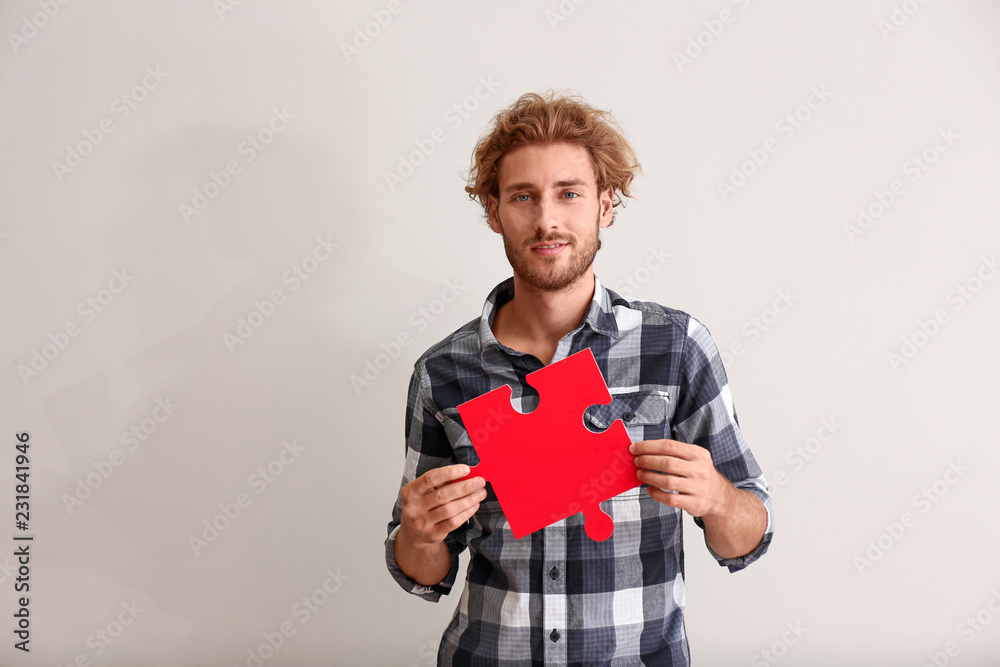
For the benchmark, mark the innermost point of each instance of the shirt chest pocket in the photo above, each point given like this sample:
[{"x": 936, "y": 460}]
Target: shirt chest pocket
[{"x": 644, "y": 414}]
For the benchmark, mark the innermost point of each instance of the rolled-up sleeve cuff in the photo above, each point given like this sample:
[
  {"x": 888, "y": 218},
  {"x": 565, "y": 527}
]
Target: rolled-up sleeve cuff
[
  {"x": 736, "y": 564},
  {"x": 429, "y": 593}
]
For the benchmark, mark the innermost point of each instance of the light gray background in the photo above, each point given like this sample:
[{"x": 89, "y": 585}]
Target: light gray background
[{"x": 887, "y": 95}]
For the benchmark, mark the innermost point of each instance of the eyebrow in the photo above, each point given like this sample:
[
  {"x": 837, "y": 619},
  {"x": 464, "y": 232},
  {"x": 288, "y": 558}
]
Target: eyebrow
[{"x": 572, "y": 183}]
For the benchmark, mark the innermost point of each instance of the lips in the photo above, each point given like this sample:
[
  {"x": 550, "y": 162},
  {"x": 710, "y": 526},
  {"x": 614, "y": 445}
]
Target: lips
[{"x": 548, "y": 249}]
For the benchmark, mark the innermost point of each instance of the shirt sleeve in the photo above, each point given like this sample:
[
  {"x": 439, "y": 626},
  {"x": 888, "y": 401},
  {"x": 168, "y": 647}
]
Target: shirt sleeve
[
  {"x": 427, "y": 447},
  {"x": 705, "y": 416}
]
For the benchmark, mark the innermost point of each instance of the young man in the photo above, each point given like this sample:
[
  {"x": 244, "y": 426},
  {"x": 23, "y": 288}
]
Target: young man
[{"x": 549, "y": 175}]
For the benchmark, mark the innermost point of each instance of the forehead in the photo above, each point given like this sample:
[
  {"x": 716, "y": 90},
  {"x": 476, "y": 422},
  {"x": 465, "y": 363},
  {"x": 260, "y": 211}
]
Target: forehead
[{"x": 545, "y": 164}]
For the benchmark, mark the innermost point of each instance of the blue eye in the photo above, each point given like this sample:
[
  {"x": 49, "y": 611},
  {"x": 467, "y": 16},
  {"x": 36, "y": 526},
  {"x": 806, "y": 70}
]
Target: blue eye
[
  {"x": 522, "y": 197},
  {"x": 572, "y": 194}
]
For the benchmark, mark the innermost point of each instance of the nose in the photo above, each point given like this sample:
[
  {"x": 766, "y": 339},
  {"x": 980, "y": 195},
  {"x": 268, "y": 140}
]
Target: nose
[{"x": 548, "y": 215}]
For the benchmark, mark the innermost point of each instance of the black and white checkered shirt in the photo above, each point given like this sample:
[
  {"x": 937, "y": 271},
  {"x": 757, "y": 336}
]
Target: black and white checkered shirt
[{"x": 556, "y": 597}]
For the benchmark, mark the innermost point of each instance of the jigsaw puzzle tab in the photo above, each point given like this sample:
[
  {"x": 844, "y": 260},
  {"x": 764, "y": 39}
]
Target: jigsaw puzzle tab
[{"x": 541, "y": 465}]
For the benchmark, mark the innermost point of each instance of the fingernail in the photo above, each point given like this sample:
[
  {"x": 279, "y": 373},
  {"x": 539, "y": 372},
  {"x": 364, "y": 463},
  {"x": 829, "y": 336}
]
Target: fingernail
[{"x": 631, "y": 448}]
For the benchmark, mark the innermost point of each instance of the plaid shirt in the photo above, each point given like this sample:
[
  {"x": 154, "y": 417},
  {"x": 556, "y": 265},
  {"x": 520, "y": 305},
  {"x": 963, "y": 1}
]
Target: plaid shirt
[{"x": 556, "y": 597}]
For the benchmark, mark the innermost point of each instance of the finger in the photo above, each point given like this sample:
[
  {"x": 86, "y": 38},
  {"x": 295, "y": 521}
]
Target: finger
[
  {"x": 456, "y": 520},
  {"x": 664, "y": 448},
  {"x": 666, "y": 464},
  {"x": 458, "y": 507},
  {"x": 666, "y": 482},
  {"x": 677, "y": 500},
  {"x": 438, "y": 477},
  {"x": 661, "y": 447},
  {"x": 449, "y": 493},
  {"x": 647, "y": 447},
  {"x": 435, "y": 526}
]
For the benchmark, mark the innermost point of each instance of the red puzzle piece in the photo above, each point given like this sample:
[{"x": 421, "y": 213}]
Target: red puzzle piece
[{"x": 545, "y": 465}]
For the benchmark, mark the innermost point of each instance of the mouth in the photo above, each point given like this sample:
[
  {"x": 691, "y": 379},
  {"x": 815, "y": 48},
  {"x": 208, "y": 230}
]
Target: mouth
[{"x": 548, "y": 249}]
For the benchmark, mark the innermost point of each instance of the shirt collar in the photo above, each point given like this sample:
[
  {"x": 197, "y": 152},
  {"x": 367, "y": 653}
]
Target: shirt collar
[{"x": 600, "y": 316}]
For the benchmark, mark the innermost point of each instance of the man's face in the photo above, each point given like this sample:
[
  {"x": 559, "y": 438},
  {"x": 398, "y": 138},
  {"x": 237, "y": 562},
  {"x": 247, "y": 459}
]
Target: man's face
[{"x": 549, "y": 212}]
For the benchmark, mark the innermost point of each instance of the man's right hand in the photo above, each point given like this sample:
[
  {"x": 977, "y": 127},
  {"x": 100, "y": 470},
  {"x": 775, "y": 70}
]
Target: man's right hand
[{"x": 434, "y": 504}]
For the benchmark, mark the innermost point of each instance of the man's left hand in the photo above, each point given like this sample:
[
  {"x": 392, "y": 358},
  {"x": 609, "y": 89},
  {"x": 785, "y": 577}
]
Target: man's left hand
[{"x": 669, "y": 465}]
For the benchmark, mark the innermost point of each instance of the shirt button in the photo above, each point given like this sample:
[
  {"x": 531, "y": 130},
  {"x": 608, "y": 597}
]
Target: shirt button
[
  {"x": 628, "y": 416},
  {"x": 554, "y": 573},
  {"x": 554, "y": 636}
]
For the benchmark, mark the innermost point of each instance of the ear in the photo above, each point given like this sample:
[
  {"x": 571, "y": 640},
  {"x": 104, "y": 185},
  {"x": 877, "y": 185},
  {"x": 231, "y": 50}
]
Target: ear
[
  {"x": 606, "y": 202},
  {"x": 493, "y": 210}
]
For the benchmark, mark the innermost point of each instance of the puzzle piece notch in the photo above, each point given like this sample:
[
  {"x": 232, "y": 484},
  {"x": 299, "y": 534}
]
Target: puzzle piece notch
[{"x": 547, "y": 465}]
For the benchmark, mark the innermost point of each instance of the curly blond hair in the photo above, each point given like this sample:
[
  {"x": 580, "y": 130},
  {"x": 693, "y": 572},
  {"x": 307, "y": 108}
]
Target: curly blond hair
[{"x": 551, "y": 119}]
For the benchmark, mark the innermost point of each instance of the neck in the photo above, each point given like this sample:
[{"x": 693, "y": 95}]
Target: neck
[{"x": 535, "y": 320}]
